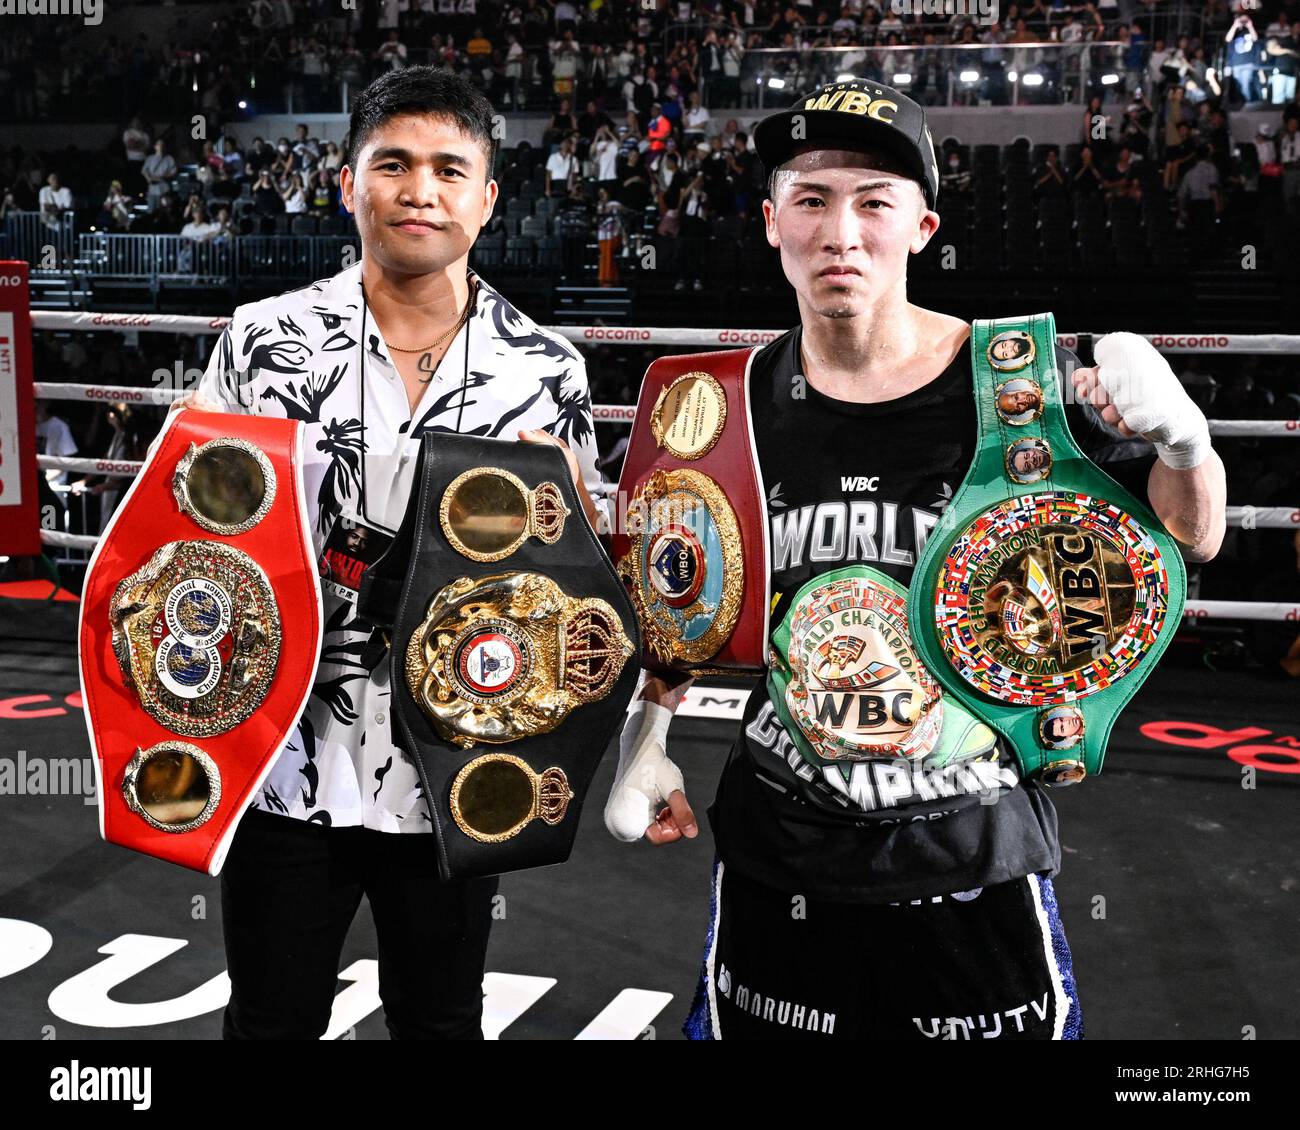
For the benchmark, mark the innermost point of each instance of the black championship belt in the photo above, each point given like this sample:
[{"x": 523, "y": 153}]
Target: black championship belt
[{"x": 510, "y": 637}]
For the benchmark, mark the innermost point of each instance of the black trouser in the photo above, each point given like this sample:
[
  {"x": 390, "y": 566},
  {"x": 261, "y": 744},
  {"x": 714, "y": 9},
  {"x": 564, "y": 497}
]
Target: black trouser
[
  {"x": 289, "y": 892},
  {"x": 986, "y": 963}
]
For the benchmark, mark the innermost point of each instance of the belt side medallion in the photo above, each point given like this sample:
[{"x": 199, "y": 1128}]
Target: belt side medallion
[
  {"x": 226, "y": 485},
  {"x": 487, "y": 513},
  {"x": 496, "y": 796},
  {"x": 689, "y": 415}
]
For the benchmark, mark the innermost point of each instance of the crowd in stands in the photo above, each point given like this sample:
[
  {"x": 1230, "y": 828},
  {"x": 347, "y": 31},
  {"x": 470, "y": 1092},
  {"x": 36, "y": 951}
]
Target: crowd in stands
[
  {"x": 305, "y": 56},
  {"x": 646, "y": 158},
  {"x": 673, "y": 176}
]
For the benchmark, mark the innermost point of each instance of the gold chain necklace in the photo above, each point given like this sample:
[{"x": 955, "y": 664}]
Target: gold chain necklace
[{"x": 464, "y": 315}]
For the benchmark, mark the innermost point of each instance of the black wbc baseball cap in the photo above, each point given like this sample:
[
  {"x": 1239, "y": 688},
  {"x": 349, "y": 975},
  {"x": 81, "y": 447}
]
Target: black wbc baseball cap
[{"x": 853, "y": 113}]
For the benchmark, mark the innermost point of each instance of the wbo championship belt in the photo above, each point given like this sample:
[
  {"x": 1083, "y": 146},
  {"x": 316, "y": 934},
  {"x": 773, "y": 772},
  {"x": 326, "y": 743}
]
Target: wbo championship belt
[
  {"x": 510, "y": 646},
  {"x": 1047, "y": 592},
  {"x": 200, "y": 634},
  {"x": 695, "y": 523}
]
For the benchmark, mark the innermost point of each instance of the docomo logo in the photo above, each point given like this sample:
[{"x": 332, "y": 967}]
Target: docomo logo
[
  {"x": 1068, "y": 341},
  {"x": 748, "y": 337},
  {"x": 621, "y": 412},
  {"x": 121, "y": 320},
  {"x": 107, "y": 465},
  {"x": 605, "y": 333},
  {"x": 1209, "y": 341},
  {"x": 135, "y": 396},
  {"x": 11, "y": 280}
]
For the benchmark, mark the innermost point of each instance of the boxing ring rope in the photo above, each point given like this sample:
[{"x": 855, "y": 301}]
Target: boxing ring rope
[
  {"x": 1245, "y": 517},
  {"x": 649, "y": 335},
  {"x": 601, "y": 413}
]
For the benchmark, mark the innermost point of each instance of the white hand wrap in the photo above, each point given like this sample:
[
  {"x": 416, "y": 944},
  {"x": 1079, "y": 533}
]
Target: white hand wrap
[
  {"x": 1150, "y": 399},
  {"x": 645, "y": 776}
]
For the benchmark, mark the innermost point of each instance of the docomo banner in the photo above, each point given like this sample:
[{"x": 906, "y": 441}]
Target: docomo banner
[
  {"x": 651, "y": 335},
  {"x": 20, "y": 533},
  {"x": 1240, "y": 610},
  {"x": 602, "y": 413},
  {"x": 113, "y": 468},
  {"x": 149, "y": 323},
  {"x": 58, "y": 390}
]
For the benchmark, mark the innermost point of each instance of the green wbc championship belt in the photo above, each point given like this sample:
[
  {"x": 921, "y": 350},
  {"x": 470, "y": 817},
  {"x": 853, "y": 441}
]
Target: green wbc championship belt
[{"x": 1047, "y": 592}]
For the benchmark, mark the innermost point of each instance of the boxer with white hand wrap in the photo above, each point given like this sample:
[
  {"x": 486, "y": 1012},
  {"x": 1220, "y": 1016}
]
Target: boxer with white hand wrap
[
  {"x": 875, "y": 861},
  {"x": 1147, "y": 399},
  {"x": 647, "y": 780},
  {"x": 1136, "y": 392}
]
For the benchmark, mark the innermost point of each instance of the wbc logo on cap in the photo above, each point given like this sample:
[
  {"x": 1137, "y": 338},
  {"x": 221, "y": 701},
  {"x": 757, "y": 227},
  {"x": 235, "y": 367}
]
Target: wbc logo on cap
[{"x": 854, "y": 102}]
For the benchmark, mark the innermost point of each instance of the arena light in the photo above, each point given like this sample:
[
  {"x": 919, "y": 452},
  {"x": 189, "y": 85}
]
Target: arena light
[
  {"x": 1109, "y": 80},
  {"x": 902, "y": 80},
  {"x": 1033, "y": 80},
  {"x": 846, "y": 77},
  {"x": 243, "y": 105},
  {"x": 776, "y": 83},
  {"x": 970, "y": 76},
  {"x": 1012, "y": 76}
]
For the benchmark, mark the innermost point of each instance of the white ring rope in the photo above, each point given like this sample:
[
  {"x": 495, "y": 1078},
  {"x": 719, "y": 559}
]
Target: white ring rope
[
  {"x": 645, "y": 335},
  {"x": 601, "y": 413},
  {"x": 113, "y": 468}
]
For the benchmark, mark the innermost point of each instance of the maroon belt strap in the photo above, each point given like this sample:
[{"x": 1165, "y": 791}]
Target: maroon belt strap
[{"x": 692, "y": 543}]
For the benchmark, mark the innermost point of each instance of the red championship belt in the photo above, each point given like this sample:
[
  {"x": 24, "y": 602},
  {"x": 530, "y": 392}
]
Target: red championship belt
[
  {"x": 200, "y": 634},
  {"x": 693, "y": 546}
]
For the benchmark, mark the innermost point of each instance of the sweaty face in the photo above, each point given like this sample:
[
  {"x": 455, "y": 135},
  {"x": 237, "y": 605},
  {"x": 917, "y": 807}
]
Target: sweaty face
[
  {"x": 419, "y": 193},
  {"x": 836, "y": 208}
]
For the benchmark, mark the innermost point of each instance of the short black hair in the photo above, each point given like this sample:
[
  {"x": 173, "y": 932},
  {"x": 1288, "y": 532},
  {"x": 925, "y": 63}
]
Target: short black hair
[
  {"x": 771, "y": 186},
  {"x": 422, "y": 90}
]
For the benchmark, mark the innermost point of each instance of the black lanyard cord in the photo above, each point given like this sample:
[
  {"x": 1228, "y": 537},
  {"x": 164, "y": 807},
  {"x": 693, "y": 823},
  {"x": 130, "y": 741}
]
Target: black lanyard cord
[{"x": 464, "y": 391}]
